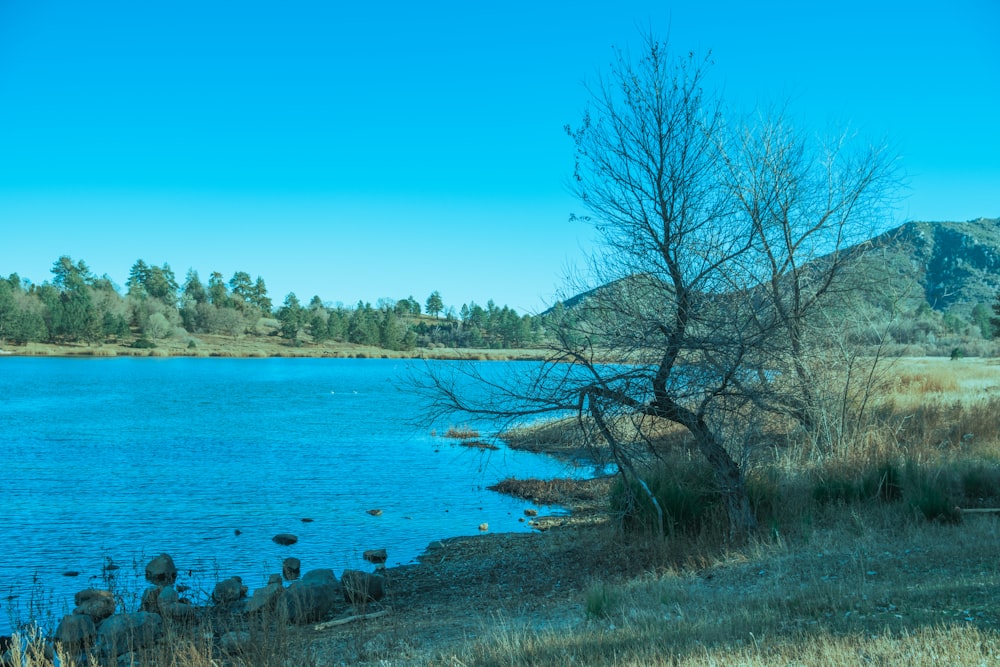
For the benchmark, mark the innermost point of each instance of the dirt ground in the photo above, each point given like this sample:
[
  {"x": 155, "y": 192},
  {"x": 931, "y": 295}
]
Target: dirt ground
[{"x": 463, "y": 586}]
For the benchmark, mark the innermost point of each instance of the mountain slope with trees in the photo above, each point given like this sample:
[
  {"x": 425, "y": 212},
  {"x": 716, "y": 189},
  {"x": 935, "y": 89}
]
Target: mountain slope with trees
[{"x": 936, "y": 285}]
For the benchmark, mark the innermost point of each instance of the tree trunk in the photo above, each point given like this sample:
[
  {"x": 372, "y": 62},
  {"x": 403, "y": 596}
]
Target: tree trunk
[{"x": 732, "y": 486}]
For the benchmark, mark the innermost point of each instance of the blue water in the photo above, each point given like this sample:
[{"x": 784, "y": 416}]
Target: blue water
[{"x": 208, "y": 459}]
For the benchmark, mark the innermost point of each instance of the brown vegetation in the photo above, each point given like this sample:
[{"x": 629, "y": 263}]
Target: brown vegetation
[{"x": 848, "y": 567}]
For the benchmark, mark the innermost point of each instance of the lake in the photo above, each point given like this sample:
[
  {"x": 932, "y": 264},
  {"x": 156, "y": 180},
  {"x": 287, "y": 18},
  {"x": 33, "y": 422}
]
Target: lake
[{"x": 207, "y": 459}]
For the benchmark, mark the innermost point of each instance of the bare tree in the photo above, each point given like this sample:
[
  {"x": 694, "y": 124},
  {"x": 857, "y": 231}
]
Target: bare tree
[{"x": 719, "y": 245}]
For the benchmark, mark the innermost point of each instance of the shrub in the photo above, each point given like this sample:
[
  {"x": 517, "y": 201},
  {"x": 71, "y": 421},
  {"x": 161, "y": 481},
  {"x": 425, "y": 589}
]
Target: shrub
[
  {"x": 601, "y": 600},
  {"x": 846, "y": 484},
  {"x": 685, "y": 490},
  {"x": 928, "y": 493},
  {"x": 765, "y": 496},
  {"x": 980, "y": 483}
]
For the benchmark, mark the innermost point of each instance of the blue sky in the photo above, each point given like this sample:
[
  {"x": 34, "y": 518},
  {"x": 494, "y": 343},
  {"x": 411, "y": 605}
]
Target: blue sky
[{"x": 359, "y": 151}]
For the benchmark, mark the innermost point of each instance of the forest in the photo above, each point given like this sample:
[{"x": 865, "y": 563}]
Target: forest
[{"x": 76, "y": 306}]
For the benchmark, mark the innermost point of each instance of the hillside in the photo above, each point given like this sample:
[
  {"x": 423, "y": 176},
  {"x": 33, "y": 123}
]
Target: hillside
[
  {"x": 952, "y": 266},
  {"x": 930, "y": 285}
]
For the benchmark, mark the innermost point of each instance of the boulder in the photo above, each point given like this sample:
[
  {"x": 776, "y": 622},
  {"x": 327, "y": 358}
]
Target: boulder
[
  {"x": 161, "y": 571},
  {"x": 229, "y": 591},
  {"x": 265, "y": 599},
  {"x": 361, "y": 587},
  {"x": 234, "y": 642},
  {"x": 312, "y": 597},
  {"x": 291, "y": 568},
  {"x": 96, "y": 603},
  {"x": 151, "y": 599},
  {"x": 127, "y": 632},
  {"x": 76, "y": 631},
  {"x": 168, "y": 595},
  {"x": 377, "y": 557},
  {"x": 285, "y": 539},
  {"x": 178, "y": 611}
]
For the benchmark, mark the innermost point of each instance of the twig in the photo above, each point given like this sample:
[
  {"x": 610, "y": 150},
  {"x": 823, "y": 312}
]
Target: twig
[{"x": 351, "y": 619}]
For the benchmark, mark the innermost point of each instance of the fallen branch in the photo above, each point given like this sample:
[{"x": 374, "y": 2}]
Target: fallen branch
[{"x": 351, "y": 619}]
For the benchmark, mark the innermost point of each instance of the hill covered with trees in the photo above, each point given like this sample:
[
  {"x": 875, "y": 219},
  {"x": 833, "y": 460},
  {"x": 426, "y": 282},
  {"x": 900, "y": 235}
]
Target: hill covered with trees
[
  {"x": 76, "y": 306},
  {"x": 923, "y": 288}
]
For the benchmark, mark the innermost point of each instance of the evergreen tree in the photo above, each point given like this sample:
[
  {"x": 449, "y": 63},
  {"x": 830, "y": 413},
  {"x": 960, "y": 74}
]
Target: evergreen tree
[
  {"x": 362, "y": 328},
  {"x": 74, "y": 313},
  {"x": 242, "y": 289},
  {"x": 193, "y": 288},
  {"x": 292, "y": 317},
  {"x": 218, "y": 295},
  {"x": 434, "y": 304},
  {"x": 8, "y": 309},
  {"x": 138, "y": 276},
  {"x": 259, "y": 297},
  {"x": 161, "y": 284}
]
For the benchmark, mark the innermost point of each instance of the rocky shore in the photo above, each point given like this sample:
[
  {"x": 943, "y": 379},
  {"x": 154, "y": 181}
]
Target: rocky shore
[{"x": 412, "y": 610}]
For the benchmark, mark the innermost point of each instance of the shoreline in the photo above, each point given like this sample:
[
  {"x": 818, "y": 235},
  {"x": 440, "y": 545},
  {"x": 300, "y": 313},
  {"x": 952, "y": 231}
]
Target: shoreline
[{"x": 272, "y": 352}]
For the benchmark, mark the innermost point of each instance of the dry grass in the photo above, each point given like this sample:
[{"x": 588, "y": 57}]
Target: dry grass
[
  {"x": 940, "y": 379},
  {"x": 461, "y": 433},
  {"x": 871, "y": 589},
  {"x": 551, "y": 491}
]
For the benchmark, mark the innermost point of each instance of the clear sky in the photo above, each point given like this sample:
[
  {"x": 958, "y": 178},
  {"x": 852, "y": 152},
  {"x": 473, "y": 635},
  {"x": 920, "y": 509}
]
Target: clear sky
[{"x": 388, "y": 149}]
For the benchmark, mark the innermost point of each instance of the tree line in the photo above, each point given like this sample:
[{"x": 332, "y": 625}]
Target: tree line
[{"x": 78, "y": 306}]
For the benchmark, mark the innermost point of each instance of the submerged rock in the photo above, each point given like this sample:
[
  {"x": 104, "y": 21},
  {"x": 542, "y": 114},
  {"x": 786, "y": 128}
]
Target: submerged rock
[
  {"x": 377, "y": 557},
  {"x": 285, "y": 539}
]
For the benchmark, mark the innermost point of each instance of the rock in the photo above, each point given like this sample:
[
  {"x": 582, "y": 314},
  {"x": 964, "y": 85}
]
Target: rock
[
  {"x": 291, "y": 568},
  {"x": 168, "y": 595},
  {"x": 285, "y": 539},
  {"x": 229, "y": 591},
  {"x": 530, "y": 512},
  {"x": 150, "y": 599},
  {"x": 178, "y": 611},
  {"x": 265, "y": 599},
  {"x": 96, "y": 603},
  {"x": 312, "y": 597},
  {"x": 361, "y": 587},
  {"x": 484, "y": 527},
  {"x": 77, "y": 631},
  {"x": 161, "y": 571},
  {"x": 375, "y": 556},
  {"x": 127, "y": 632},
  {"x": 375, "y": 512},
  {"x": 234, "y": 641}
]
